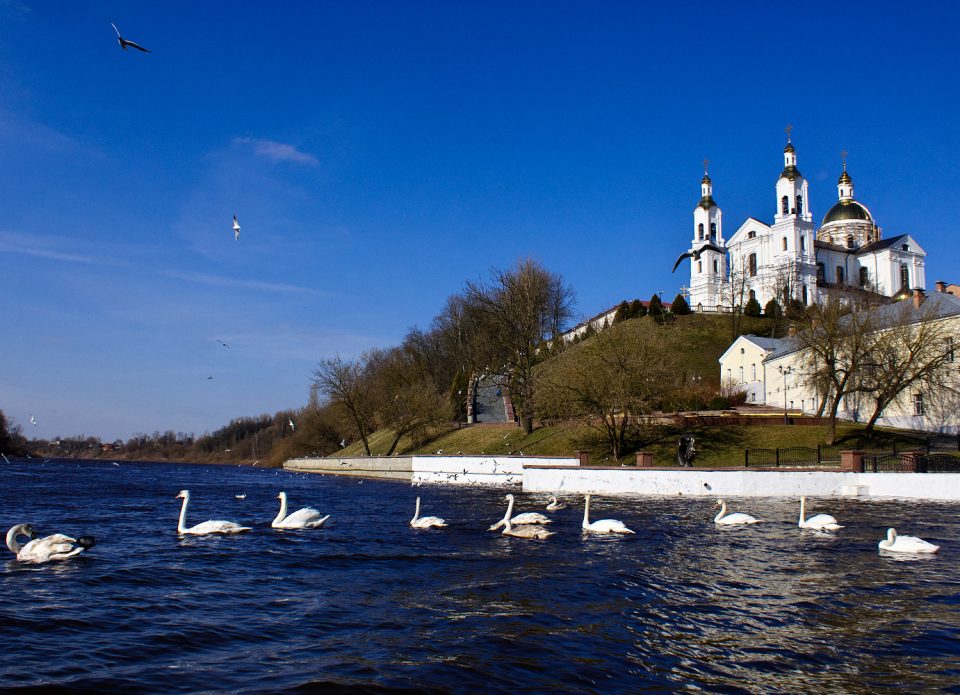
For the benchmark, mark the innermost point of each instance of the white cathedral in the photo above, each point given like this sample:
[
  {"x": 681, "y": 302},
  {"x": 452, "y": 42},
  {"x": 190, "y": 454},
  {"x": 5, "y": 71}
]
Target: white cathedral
[{"x": 790, "y": 258}]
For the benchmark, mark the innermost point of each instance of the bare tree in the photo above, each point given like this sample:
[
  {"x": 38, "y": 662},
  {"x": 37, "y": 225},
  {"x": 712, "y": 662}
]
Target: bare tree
[
  {"x": 912, "y": 350},
  {"x": 733, "y": 294},
  {"x": 518, "y": 311},
  {"x": 349, "y": 385},
  {"x": 836, "y": 341},
  {"x": 609, "y": 381}
]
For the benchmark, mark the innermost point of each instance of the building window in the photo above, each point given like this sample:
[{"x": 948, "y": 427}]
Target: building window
[
  {"x": 741, "y": 375},
  {"x": 950, "y": 349},
  {"x": 753, "y": 395},
  {"x": 753, "y": 264},
  {"x": 904, "y": 276},
  {"x": 700, "y": 231},
  {"x": 785, "y": 205},
  {"x": 751, "y": 235},
  {"x": 850, "y": 241},
  {"x": 839, "y": 274},
  {"x": 803, "y": 243},
  {"x": 821, "y": 272},
  {"x": 905, "y": 247},
  {"x": 713, "y": 230},
  {"x": 799, "y": 204},
  {"x": 864, "y": 277},
  {"x": 699, "y": 266},
  {"x": 805, "y": 295},
  {"x": 729, "y": 376},
  {"x": 742, "y": 351},
  {"x": 753, "y": 372},
  {"x": 784, "y": 243},
  {"x": 716, "y": 266},
  {"x": 918, "y": 404}
]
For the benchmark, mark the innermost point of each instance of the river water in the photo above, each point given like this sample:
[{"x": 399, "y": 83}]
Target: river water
[{"x": 369, "y": 604}]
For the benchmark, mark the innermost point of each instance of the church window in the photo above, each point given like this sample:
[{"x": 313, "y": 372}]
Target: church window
[
  {"x": 753, "y": 264},
  {"x": 699, "y": 266},
  {"x": 804, "y": 295},
  {"x": 839, "y": 274},
  {"x": 905, "y": 247},
  {"x": 751, "y": 235},
  {"x": 753, "y": 294},
  {"x": 904, "y": 276},
  {"x": 864, "y": 277},
  {"x": 821, "y": 272},
  {"x": 850, "y": 241},
  {"x": 784, "y": 243},
  {"x": 716, "y": 266},
  {"x": 784, "y": 205},
  {"x": 700, "y": 231},
  {"x": 803, "y": 243},
  {"x": 713, "y": 230},
  {"x": 799, "y": 204},
  {"x": 918, "y": 404}
]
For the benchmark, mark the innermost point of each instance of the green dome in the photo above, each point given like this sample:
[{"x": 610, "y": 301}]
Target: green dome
[{"x": 846, "y": 210}]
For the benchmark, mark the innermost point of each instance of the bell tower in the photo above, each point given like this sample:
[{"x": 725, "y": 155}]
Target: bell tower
[{"x": 708, "y": 261}]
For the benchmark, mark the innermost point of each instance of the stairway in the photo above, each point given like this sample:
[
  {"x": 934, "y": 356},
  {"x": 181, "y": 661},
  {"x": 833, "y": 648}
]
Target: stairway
[{"x": 488, "y": 406}]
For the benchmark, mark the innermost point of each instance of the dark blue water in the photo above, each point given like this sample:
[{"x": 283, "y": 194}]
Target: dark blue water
[{"x": 369, "y": 604}]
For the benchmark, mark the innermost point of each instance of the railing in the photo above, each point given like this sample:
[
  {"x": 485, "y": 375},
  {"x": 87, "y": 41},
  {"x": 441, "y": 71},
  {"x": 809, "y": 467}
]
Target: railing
[
  {"x": 792, "y": 457},
  {"x": 885, "y": 463},
  {"x": 938, "y": 463}
]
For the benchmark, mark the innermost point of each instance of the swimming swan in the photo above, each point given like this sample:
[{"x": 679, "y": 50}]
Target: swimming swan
[
  {"x": 735, "y": 518},
  {"x": 55, "y": 547},
  {"x": 426, "y": 521},
  {"x": 519, "y": 519},
  {"x": 207, "y": 527},
  {"x": 555, "y": 505},
  {"x": 601, "y": 525},
  {"x": 820, "y": 522},
  {"x": 906, "y": 544},
  {"x": 525, "y": 531},
  {"x": 308, "y": 517}
]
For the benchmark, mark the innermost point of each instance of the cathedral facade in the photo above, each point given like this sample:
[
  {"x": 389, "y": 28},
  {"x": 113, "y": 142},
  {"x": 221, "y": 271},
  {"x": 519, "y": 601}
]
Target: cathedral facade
[{"x": 791, "y": 258}]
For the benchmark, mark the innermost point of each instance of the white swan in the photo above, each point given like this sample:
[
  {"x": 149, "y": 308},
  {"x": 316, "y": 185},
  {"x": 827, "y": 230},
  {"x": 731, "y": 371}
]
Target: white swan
[
  {"x": 206, "y": 527},
  {"x": 906, "y": 544},
  {"x": 735, "y": 518},
  {"x": 308, "y": 517},
  {"x": 525, "y": 531},
  {"x": 555, "y": 505},
  {"x": 820, "y": 522},
  {"x": 55, "y": 547},
  {"x": 601, "y": 525},
  {"x": 519, "y": 519},
  {"x": 426, "y": 521}
]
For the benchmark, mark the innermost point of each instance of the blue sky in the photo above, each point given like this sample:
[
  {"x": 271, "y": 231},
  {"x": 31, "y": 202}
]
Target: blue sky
[{"x": 380, "y": 154}]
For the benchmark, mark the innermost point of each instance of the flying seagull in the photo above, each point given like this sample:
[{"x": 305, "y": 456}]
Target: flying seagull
[
  {"x": 33, "y": 421},
  {"x": 695, "y": 255},
  {"x": 236, "y": 228},
  {"x": 222, "y": 343},
  {"x": 124, "y": 43},
  {"x": 290, "y": 420}
]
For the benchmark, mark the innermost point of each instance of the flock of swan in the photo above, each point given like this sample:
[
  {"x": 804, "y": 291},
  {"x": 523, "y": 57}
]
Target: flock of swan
[{"x": 528, "y": 525}]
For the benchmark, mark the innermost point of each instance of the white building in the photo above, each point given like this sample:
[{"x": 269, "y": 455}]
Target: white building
[
  {"x": 790, "y": 258},
  {"x": 742, "y": 366}
]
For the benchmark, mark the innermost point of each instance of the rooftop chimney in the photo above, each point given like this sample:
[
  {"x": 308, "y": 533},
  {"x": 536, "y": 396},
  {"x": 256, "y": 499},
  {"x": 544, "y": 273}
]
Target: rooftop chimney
[
  {"x": 918, "y": 297},
  {"x": 941, "y": 286}
]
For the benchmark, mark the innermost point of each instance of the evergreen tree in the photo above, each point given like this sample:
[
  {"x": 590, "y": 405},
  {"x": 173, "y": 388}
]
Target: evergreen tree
[
  {"x": 752, "y": 307},
  {"x": 623, "y": 312},
  {"x": 772, "y": 309},
  {"x": 655, "y": 308},
  {"x": 637, "y": 309},
  {"x": 679, "y": 306}
]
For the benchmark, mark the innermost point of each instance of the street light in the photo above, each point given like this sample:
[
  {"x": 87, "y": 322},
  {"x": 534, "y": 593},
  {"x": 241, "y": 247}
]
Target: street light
[{"x": 785, "y": 373}]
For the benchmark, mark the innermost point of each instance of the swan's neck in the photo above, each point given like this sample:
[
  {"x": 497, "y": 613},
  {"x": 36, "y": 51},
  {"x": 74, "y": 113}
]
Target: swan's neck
[
  {"x": 586, "y": 511},
  {"x": 182, "y": 523},
  {"x": 416, "y": 513},
  {"x": 891, "y": 536},
  {"x": 803, "y": 507},
  {"x": 282, "y": 514},
  {"x": 12, "y": 538},
  {"x": 723, "y": 511},
  {"x": 509, "y": 513}
]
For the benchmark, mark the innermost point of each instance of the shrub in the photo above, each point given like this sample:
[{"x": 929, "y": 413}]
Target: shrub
[{"x": 679, "y": 306}]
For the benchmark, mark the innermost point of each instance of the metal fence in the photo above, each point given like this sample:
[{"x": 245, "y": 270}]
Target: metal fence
[
  {"x": 881, "y": 462},
  {"x": 938, "y": 463},
  {"x": 792, "y": 457}
]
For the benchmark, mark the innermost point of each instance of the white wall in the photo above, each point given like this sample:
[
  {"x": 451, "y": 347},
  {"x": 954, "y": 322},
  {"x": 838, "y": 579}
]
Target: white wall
[
  {"x": 741, "y": 483},
  {"x": 479, "y": 470}
]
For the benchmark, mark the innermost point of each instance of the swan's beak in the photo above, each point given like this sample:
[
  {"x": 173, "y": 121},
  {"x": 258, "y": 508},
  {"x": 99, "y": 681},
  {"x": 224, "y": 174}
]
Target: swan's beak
[{"x": 33, "y": 533}]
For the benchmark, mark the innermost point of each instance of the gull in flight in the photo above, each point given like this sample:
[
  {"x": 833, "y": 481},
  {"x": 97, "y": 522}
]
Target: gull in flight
[
  {"x": 124, "y": 42},
  {"x": 695, "y": 255},
  {"x": 236, "y": 228},
  {"x": 292, "y": 427},
  {"x": 33, "y": 421},
  {"x": 222, "y": 343}
]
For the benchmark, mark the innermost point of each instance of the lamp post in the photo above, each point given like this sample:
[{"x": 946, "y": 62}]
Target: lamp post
[{"x": 785, "y": 373}]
